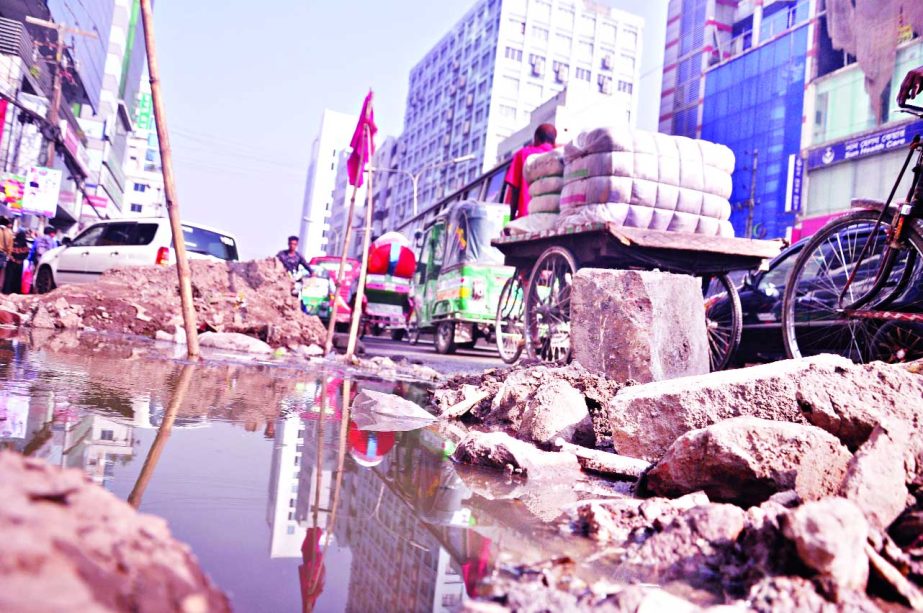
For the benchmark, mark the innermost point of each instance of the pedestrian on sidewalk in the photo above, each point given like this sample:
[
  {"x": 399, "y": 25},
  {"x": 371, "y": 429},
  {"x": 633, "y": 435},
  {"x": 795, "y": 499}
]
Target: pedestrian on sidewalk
[
  {"x": 43, "y": 244},
  {"x": 542, "y": 142},
  {"x": 6, "y": 247},
  {"x": 19, "y": 254}
]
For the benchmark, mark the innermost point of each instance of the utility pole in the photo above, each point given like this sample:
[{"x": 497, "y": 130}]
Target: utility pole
[
  {"x": 55, "y": 107},
  {"x": 751, "y": 203}
]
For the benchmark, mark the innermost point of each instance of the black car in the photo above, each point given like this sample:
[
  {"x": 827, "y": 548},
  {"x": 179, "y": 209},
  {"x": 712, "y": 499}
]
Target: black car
[{"x": 761, "y": 294}]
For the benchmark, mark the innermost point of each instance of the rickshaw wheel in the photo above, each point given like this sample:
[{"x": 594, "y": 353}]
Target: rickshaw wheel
[
  {"x": 508, "y": 327},
  {"x": 898, "y": 342},
  {"x": 723, "y": 320},
  {"x": 547, "y": 323},
  {"x": 445, "y": 338}
]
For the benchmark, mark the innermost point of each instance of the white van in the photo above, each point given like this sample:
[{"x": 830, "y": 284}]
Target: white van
[{"x": 123, "y": 242}]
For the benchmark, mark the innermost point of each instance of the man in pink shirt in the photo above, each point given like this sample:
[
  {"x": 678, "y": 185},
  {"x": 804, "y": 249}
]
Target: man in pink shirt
[{"x": 545, "y": 136}]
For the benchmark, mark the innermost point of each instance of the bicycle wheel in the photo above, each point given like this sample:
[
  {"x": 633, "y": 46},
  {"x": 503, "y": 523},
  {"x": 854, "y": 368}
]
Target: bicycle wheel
[
  {"x": 898, "y": 342},
  {"x": 815, "y": 319},
  {"x": 548, "y": 306},
  {"x": 508, "y": 327},
  {"x": 723, "y": 320}
]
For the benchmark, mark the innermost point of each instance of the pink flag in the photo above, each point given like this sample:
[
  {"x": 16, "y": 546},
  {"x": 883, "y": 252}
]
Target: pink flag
[{"x": 363, "y": 143}]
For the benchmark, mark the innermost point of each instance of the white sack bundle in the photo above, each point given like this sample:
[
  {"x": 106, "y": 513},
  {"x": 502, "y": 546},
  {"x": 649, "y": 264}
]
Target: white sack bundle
[
  {"x": 545, "y": 186},
  {"x": 549, "y": 203},
  {"x": 549, "y": 164},
  {"x": 534, "y": 222}
]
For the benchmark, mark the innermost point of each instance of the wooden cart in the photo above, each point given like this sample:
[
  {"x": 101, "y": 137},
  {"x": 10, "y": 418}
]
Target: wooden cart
[{"x": 534, "y": 309}]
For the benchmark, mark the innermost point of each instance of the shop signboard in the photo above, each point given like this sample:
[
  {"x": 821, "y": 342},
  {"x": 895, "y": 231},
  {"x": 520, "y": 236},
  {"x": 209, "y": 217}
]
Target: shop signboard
[
  {"x": 144, "y": 112},
  {"x": 42, "y": 188},
  {"x": 12, "y": 187},
  {"x": 795, "y": 183},
  {"x": 75, "y": 147},
  {"x": 864, "y": 146},
  {"x": 97, "y": 202}
]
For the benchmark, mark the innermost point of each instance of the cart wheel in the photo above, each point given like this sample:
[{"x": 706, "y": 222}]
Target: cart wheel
[
  {"x": 445, "y": 338},
  {"x": 508, "y": 327},
  {"x": 723, "y": 320},
  {"x": 548, "y": 293}
]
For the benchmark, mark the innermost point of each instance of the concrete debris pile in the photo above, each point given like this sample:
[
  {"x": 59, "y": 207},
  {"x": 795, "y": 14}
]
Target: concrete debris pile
[
  {"x": 796, "y": 485},
  {"x": 250, "y": 298},
  {"x": 71, "y": 545}
]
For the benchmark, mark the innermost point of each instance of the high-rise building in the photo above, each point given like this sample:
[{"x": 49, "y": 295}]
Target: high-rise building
[
  {"x": 698, "y": 32},
  {"x": 479, "y": 84},
  {"x": 336, "y": 130},
  {"x": 144, "y": 193},
  {"x": 108, "y": 126}
]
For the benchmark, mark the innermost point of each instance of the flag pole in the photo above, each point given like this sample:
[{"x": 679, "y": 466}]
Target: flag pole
[
  {"x": 364, "y": 268},
  {"x": 347, "y": 235},
  {"x": 169, "y": 186}
]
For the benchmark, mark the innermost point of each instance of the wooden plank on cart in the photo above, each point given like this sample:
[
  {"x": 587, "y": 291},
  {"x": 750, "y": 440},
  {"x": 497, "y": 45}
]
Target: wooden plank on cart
[{"x": 681, "y": 241}]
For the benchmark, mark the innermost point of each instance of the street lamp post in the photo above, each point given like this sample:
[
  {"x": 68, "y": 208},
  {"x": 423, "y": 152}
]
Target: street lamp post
[{"x": 415, "y": 178}]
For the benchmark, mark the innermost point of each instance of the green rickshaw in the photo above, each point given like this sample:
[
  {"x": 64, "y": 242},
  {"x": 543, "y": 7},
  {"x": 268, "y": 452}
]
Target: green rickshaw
[{"x": 459, "y": 275}]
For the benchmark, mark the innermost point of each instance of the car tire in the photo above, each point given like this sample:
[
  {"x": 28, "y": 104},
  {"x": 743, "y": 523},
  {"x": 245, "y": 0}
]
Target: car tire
[
  {"x": 398, "y": 334},
  {"x": 44, "y": 280}
]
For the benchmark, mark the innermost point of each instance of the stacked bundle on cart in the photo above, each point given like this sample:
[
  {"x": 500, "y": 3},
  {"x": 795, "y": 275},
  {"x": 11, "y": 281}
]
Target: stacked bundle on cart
[
  {"x": 544, "y": 174},
  {"x": 647, "y": 180}
]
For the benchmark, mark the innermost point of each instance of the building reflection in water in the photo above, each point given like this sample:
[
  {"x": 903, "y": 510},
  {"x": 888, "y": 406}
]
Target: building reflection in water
[{"x": 399, "y": 509}]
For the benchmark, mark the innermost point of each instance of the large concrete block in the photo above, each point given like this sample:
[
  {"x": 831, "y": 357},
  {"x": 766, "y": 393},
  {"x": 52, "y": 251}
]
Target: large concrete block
[
  {"x": 645, "y": 326},
  {"x": 646, "y": 419}
]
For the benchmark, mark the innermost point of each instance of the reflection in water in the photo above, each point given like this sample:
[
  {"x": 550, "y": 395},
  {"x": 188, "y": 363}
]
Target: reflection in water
[{"x": 357, "y": 520}]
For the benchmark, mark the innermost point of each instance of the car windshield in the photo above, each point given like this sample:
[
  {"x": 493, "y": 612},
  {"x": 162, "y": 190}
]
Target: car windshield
[{"x": 206, "y": 242}]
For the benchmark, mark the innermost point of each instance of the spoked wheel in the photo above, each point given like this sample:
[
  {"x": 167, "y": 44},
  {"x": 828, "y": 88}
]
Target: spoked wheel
[
  {"x": 818, "y": 312},
  {"x": 723, "y": 320},
  {"x": 548, "y": 306},
  {"x": 898, "y": 342},
  {"x": 510, "y": 322}
]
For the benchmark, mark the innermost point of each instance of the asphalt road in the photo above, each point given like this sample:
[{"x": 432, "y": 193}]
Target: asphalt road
[{"x": 482, "y": 357}]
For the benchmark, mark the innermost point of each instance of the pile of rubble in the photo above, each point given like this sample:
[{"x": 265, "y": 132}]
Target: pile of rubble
[
  {"x": 70, "y": 545},
  {"x": 791, "y": 485},
  {"x": 250, "y": 298}
]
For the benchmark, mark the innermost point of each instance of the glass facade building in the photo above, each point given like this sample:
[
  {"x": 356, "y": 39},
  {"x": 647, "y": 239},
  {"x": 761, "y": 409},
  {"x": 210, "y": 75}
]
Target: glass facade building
[{"x": 755, "y": 102}]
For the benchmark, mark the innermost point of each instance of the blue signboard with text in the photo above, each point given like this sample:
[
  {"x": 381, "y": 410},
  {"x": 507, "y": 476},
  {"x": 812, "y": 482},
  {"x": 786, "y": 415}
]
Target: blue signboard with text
[{"x": 864, "y": 146}]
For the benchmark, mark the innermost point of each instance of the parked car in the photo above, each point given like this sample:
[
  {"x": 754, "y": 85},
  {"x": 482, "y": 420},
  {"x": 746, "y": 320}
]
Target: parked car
[
  {"x": 761, "y": 303},
  {"x": 120, "y": 242}
]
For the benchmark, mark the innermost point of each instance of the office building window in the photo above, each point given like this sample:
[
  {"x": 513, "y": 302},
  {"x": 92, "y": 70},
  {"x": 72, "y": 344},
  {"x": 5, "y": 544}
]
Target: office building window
[
  {"x": 585, "y": 51},
  {"x": 136, "y": 208},
  {"x": 628, "y": 64},
  {"x": 607, "y": 33},
  {"x": 587, "y": 25},
  {"x": 140, "y": 187},
  {"x": 629, "y": 39},
  {"x": 507, "y": 112},
  {"x": 565, "y": 17},
  {"x": 582, "y": 74},
  {"x": 541, "y": 9},
  {"x": 534, "y": 92},
  {"x": 517, "y": 28},
  {"x": 512, "y": 53},
  {"x": 562, "y": 43},
  {"x": 626, "y": 87},
  {"x": 605, "y": 84},
  {"x": 509, "y": 86},
  {"x": 106, "y": 435},
  {"x": 539, "y": 33}
]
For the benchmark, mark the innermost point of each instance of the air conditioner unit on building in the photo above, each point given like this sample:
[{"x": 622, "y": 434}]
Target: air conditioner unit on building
[
  {"x": 537, "y": 70},
  {"x": 561, "y": 75},
  {"x": 607, "y": 62},
  {"x": 606, "y": 87}
]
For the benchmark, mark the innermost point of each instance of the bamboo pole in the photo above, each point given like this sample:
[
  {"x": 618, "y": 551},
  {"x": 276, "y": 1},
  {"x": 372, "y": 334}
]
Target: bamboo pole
[
  {"x": 163, "y": 433},
  {"x": 363, "y": 269},
  {"x": 169, "y": 186},
  {"x": 331, "y": 325}
]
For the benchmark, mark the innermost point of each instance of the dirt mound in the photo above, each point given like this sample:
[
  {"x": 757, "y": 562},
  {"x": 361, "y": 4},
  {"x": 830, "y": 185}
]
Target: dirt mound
[{"x": 252, "y": 298}]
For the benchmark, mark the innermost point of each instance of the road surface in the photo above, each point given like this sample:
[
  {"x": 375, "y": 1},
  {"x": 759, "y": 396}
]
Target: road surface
[{"x": 480, "y": 358}]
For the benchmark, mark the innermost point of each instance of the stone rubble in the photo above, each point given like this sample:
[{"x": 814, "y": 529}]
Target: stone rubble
[{"x": 775, "y": 488}]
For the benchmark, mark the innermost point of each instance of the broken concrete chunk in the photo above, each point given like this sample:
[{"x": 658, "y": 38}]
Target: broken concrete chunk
[
  {"x": 830, "y": 537},
  {"x": 638, "y": 325},
  {"x": 746, "y": 460},
  {"x": 233, "y": 341},
  {"x": 502, "y": 451},
  {"x": 646, "y": 419},
  {"x": 379, "y": 412},
  {"x": 875, "y": 479},
  {"x": 555, "y": 410}
]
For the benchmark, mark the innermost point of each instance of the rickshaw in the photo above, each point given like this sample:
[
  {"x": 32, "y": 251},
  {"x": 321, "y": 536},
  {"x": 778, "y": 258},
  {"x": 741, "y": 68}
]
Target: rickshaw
[
  {"x": 315, "y": 291},
  {"x": 459, "y": 275},
  {"x": 391, "y": 268}
]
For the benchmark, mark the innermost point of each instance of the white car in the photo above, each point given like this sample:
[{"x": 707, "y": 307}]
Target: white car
[{"x": 126, "y": 242}]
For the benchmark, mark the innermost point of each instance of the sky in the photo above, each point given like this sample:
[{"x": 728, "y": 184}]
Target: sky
[{"x": 244, "y": 90}]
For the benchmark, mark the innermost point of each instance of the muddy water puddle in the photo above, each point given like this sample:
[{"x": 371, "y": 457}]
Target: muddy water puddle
[{"x": 285, "y": 502}]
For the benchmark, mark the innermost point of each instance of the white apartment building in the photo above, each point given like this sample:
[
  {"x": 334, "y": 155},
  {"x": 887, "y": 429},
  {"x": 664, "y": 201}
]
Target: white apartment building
[
  {"x": 338, "y": 212},
  {"x": 336, "y": 130},
  {"x": 144, "y": 194},
  {"x": 504, "y": 58}
]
